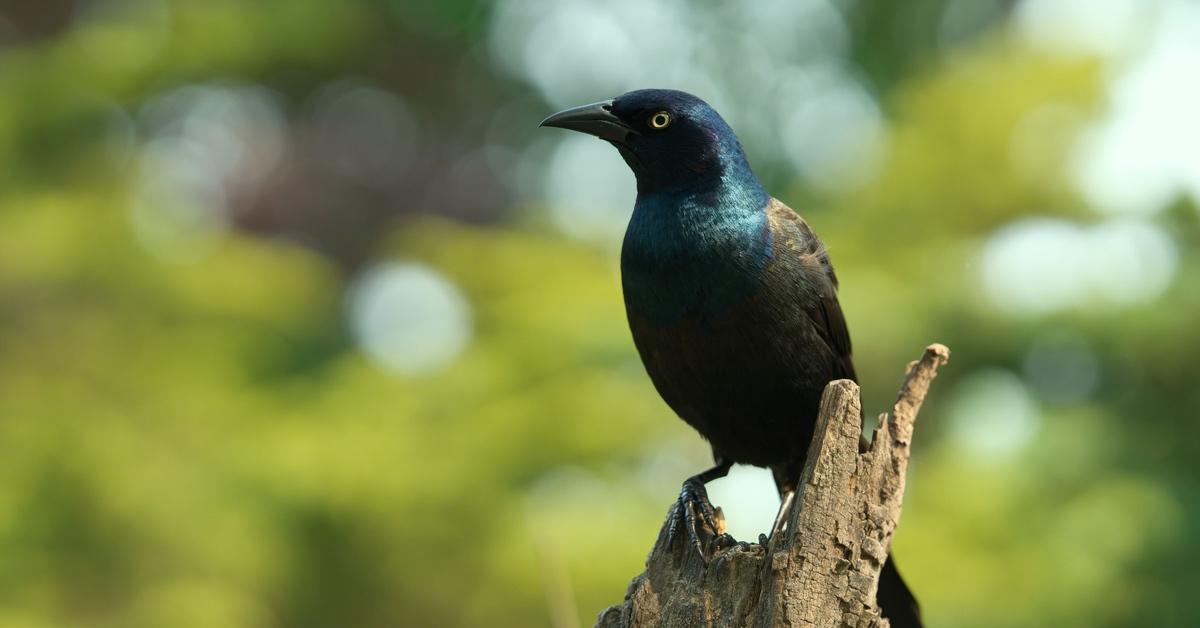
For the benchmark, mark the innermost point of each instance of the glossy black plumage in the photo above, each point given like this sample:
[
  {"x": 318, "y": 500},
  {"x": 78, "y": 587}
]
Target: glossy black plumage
[
  {"x": 730, "y": 295},
  {"x": 749, "y": 378}
]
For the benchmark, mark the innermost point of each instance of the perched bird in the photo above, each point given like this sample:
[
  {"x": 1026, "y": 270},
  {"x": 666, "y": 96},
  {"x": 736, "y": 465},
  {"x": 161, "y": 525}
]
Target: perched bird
[{"x": 731, "y": 299}]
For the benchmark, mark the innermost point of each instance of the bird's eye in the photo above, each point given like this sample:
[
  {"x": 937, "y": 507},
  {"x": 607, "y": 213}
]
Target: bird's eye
[{"x": 660, "y": 120}]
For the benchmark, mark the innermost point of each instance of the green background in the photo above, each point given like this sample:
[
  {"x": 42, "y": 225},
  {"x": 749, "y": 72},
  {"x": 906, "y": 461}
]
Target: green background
[{"x": 194, "y": 431}]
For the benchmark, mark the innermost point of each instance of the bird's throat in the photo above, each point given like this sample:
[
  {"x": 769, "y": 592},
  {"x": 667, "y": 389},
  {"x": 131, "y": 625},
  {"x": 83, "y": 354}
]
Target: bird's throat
[{"x": 694, "y": 253}]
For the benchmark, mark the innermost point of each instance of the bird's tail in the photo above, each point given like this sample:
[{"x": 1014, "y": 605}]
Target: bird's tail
[{"x": 896, "y": 601}]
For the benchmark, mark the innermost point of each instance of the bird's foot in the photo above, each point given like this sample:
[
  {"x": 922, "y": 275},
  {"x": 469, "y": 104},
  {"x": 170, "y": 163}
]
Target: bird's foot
[{"x": 694, "y": 515}]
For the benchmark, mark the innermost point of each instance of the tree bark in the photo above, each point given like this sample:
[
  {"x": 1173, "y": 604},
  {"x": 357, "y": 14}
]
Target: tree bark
[{"x": 824, "y": 569}]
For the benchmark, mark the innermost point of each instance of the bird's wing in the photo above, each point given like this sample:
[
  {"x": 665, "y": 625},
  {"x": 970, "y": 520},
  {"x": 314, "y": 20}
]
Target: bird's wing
[{"x": 825, "y": 311}]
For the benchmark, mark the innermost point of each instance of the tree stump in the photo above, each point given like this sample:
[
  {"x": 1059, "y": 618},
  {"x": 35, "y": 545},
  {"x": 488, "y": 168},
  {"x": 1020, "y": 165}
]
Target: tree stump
[{"x": 824, "y": 570}]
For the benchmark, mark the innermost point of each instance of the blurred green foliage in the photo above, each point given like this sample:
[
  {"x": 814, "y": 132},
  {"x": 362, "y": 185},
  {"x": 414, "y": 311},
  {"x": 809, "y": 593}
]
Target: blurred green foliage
[{"x": 199, "y": 442}]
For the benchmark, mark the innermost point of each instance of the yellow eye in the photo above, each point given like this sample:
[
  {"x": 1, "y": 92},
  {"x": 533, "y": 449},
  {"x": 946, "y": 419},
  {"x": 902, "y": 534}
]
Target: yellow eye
[{"x": 660, "y": 120}]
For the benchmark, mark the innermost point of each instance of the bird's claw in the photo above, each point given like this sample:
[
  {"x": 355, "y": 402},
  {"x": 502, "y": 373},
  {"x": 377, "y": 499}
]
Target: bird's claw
[{"x": 694, "y": 514}]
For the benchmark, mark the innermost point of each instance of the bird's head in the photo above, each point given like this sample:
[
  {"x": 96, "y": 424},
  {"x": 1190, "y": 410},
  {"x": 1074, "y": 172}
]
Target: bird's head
[{"x": 670, "y": 139}]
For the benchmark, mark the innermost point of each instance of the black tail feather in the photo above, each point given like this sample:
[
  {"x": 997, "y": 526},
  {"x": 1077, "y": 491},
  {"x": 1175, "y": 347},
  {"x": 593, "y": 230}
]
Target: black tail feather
[{"x": 896, "y": 601}]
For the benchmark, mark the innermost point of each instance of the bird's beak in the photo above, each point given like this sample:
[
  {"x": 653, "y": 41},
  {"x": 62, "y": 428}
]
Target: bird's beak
[{"x": 594, "y": 119}]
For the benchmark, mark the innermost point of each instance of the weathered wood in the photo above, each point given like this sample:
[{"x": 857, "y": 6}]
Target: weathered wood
[{"x": 824, "y": 570}]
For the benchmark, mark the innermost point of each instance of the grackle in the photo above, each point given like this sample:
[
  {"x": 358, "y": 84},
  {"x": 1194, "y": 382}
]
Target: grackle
[{"x": 731, "y": 299}]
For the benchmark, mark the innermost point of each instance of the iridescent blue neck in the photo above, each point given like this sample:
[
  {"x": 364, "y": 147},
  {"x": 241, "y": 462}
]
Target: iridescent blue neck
[{"x": 696, "y": 250}]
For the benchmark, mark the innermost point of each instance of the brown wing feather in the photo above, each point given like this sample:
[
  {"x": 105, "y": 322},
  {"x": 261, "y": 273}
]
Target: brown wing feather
[{"x": 826, "y": 312}]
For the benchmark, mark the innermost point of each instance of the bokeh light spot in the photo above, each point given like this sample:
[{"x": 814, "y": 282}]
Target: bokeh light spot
[
  {"x": 831, "y": 128},
  {"x": 992, "y": 415},
  {"x": 1142, "y": 155},
  {"x": 408, "y": 318},
  {"x": 201, "y": 143},
  {"x": 1084, "y": 26},
  {"x": 1042, "y": 265},
  {"x": 589, "y": 189}
]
